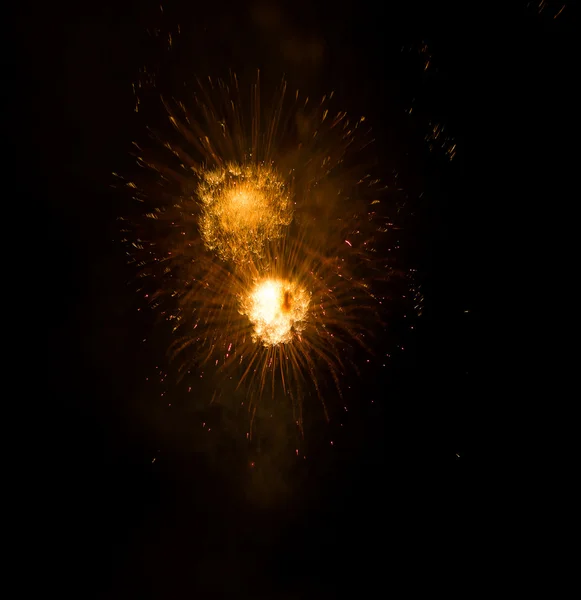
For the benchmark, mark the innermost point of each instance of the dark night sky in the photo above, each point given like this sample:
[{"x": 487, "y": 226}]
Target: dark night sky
[{"x": 398, "y": 482}]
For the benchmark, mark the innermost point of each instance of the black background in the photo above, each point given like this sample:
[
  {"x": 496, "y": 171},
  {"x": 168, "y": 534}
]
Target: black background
[{"x": 397, "y": 489}]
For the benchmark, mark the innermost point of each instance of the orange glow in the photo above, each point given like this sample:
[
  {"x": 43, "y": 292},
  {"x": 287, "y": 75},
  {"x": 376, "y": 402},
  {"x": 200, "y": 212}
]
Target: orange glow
[{"x": 276, "y": 309}]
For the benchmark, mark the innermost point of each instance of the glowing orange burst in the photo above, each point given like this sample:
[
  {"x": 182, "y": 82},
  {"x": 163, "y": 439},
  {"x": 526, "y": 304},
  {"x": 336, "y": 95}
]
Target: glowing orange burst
[
  {"x": 242, "y": 209},
  {"x": 277, "y": 309},
  {"x": 287, "y": 319}
]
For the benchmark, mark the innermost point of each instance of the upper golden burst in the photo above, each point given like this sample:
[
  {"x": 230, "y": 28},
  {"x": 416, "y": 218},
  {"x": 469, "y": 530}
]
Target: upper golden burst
[{"x": 243, "y": 207}]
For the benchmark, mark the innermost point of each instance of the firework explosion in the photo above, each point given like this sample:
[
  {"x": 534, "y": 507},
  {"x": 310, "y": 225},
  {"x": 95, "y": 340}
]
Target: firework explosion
[
  {"x": 283, "y": 320},
  {"x": 277, "y": 309},
  {"x": 258, "y": 242},
  {"x": 241, "y": 209}
]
